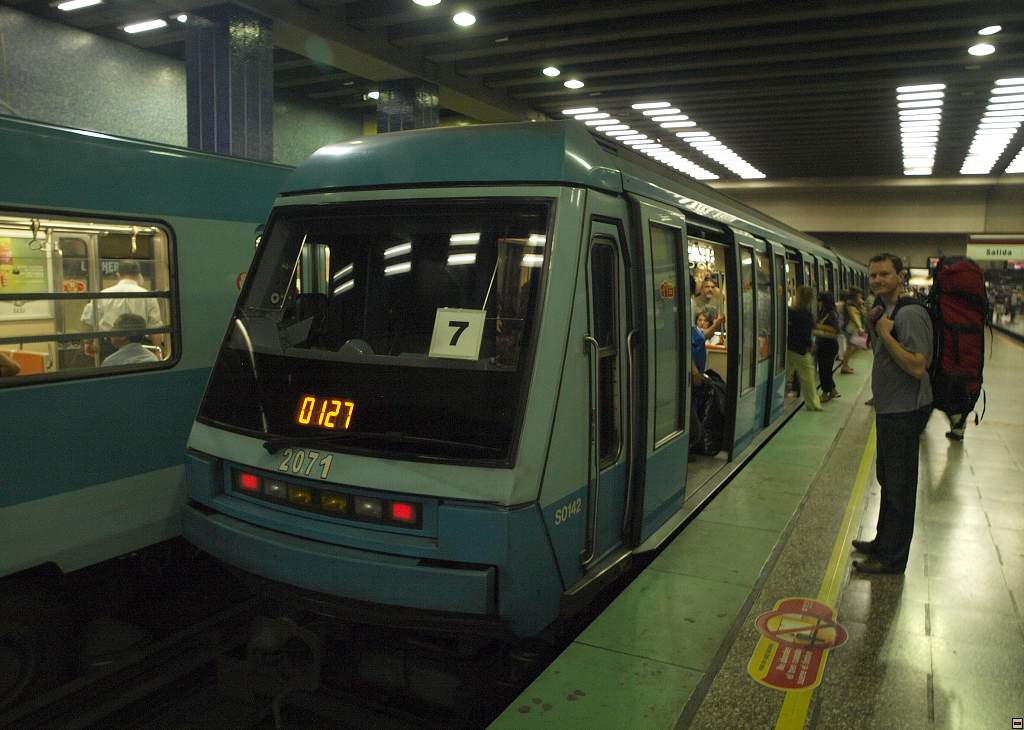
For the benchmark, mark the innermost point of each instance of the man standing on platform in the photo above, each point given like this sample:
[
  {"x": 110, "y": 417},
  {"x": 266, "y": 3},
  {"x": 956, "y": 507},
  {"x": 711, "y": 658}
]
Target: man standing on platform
[{"x": 902, "y": 392}]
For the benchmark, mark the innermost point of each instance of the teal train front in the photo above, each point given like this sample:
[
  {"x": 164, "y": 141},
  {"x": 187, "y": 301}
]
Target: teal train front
[{"x": 457, "y": 390}]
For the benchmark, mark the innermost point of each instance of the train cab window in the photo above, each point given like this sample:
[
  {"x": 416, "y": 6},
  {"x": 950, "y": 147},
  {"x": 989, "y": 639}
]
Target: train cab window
[
  {"x": 669, "y": 340},
  {"x": 84, "y": 296},
  {"x": 792, "y": 274},
  {"x": 418, "y": 312},
  {"x": 748, "y": 366},
  {"x": 710, "y": 300},
  {"x": 829, "y": 277},
  {"x": 604, "y": 294},
  {"x": 764, "y": 307}
]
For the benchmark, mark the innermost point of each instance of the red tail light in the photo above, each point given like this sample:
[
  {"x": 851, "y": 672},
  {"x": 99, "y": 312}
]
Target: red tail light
[
  {"x": 403, "y": 512},
  {"x": 248, "y": 482}
]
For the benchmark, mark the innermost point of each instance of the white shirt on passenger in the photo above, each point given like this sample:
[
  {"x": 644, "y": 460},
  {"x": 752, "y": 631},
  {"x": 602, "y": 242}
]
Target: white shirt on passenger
[
  {"x": 108, "y": 310},
  {"x": 130, "y": 354}
]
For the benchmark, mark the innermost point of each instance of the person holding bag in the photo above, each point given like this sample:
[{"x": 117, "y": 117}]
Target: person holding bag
[{"x": 826, "y": 332}]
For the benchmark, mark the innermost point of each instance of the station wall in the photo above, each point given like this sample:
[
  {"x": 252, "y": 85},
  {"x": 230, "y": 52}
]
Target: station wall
[{"x": 61, "y": 75}]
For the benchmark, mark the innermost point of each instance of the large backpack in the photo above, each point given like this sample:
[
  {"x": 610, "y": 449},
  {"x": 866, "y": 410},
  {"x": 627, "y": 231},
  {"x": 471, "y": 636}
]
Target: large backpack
[{"x": 959, "y": 308}]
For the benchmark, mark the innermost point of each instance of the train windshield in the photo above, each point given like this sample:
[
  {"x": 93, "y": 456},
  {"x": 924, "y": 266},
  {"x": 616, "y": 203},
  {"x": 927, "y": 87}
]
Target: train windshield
[{"x": 388, "y": 327}]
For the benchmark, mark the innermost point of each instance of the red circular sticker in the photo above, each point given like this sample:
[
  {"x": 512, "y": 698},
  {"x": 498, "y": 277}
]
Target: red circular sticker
[
  {"x": 667, "y": 289},
  {"x": 239, "y": 280}
]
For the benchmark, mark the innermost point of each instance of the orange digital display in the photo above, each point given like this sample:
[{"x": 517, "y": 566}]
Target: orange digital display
[{"x": 329, "y": 413}]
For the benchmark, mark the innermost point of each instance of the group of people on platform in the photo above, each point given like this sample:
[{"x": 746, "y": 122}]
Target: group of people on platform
[{"x": 820, "y": 331}]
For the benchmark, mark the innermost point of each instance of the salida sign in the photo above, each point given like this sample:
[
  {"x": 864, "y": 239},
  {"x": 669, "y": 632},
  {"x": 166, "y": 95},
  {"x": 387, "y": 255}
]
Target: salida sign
[{"x": 796, "y": 637}]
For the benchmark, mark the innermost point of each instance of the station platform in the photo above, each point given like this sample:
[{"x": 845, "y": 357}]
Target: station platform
[{"x": 941, "y": 646}]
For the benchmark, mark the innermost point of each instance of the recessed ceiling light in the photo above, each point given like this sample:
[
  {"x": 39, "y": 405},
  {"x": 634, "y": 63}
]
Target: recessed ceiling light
[
  {"x": 182, "y": 18},
  {"x": 145, "y": 25},
  {"x": 982, "y": 49},
  {"x": 579, "y": 110},
  {"x": 573, "y": 84},
  {"x": 990, "y": 30},
  {"x": 77, "y": 4},
  {"x": 551, "y": 71},
  {"x": 464, "y": 19},
  {"x": 427, "y": 3},
  {"x": 652, "y": 105}
]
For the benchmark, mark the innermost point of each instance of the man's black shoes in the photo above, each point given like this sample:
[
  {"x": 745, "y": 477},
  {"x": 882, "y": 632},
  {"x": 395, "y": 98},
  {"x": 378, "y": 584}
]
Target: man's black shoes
[
  {"x": 875, "y": 567},
  {"x": 864, "y": 546}
]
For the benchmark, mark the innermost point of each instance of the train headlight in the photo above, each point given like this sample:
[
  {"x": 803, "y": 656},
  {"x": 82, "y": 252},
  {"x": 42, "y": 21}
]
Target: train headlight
[
  {"x": 369, "y": 508},
  {"x": 333, "y": 502},
  {"x": 300, "y": 495}
]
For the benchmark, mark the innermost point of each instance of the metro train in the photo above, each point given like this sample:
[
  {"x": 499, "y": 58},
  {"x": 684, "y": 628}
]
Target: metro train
[
  {"x": 455, "y": 390},
  {"x": 93, "y": 452}
]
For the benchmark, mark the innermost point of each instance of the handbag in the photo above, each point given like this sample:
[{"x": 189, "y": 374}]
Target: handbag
[{"x": 859, "y": 340}]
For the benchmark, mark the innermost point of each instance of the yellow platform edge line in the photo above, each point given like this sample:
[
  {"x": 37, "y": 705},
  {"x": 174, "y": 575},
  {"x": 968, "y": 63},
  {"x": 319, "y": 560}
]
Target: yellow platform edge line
[{"x": 793, "y": 715}]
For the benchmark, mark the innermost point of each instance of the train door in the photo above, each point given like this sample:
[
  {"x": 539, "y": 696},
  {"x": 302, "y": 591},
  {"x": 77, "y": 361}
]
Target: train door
[
  {"x": 611, "y": 391},
  {"x": 669, "y": 359},
  {"x": 752, "y": 378},
  {"x": 780, "y": 286}
]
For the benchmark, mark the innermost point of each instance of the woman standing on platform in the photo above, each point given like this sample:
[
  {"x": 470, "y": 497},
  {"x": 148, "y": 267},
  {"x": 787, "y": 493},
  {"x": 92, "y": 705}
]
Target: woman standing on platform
[
  {"x": 826, "y": 332},
  {"x": 798, "y": 346},
  {"x": 856, "y": 335}
]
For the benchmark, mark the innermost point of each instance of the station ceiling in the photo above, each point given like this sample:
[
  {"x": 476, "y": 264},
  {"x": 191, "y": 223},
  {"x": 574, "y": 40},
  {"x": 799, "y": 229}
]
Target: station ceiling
[{"x": 795, "y": 88}]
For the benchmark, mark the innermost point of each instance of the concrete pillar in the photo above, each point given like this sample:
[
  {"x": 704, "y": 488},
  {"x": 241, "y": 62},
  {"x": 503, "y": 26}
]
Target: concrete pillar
[
  {"x": 229, "y": 73},
  {"x": 407, "y": 104}
]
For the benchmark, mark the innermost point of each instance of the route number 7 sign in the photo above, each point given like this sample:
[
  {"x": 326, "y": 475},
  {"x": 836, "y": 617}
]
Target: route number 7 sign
[{"x": 458, "y": 333}]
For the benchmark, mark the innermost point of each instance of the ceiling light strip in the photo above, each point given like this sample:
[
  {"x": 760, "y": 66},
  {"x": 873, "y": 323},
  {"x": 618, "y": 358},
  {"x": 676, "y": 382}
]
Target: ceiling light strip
[
  {"x": 995, "y": 132},
  {"x": 920, "y": 115}
]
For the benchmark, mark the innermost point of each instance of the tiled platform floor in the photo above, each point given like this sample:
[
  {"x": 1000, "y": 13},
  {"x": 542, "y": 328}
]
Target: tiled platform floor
[{"x": 941, "y": 647}]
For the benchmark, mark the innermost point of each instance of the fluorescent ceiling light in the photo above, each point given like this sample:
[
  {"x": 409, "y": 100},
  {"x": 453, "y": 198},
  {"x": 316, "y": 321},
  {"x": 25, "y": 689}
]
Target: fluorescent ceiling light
[
  {"x": 919, "y": 104},
  {"x": 145, "y": 25},
  {"x": 623, "y": 133},
  {"x": 918, "y": 95},
  {"x": 602, "y": 123},
  {"x": 398, "y": 268},
  {"x": 1007, "y": 105},
  {"x": 593, "y": 115},
  {"x": 612, "y": 127},
  {"x": 399, "y": 250},
  {"x": 77, "y": 4},
  {"x": 573, "y": 84},
  {"x": 678, "y": 125},
  {"x": 659, "y": 110},
  {"x": 908, "y": 113},
  {"x": 427, "y": 3},
  {"x": 693, "y": 134},
  {"x": 373, "y": 95},
  {"x": 182, "y": 18},
  {"x": 1003, "y": 99},
  {"x": 652, "y": 105},
  {"x": 990, "y": 30},
  {"x": 1010, "y": 82},
  {"x": 464, "y": 239},
  {"x": 982, "y": 49},
  {"x": 670, "y": 118},
  {"x": 549, "y": 71},
  {"x": 580, "y": 110},
  {"x": 1008, "y": 90},
  {"x": 464, "y": 19},
  {"x": 461, "y": 259},
  {"x": 919, "y": 87}
]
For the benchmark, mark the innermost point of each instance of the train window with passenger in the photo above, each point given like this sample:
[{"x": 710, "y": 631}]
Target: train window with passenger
[
  {"x": 710, "y": 300},
  {"x": 748, "y": 367},
  {"x": 781, "y": 286},
  {"x": 417, "y": 315},
  {"x": 83, "y": 296},
  {"x": 764, "y": 307},
  {"x": 669, "y": 342}
]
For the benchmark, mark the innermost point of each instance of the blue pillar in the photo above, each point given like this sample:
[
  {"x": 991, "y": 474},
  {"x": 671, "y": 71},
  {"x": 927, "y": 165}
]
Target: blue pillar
[
  {"x": 407, "y": 104},
  {"x": 229, "y": 72}
]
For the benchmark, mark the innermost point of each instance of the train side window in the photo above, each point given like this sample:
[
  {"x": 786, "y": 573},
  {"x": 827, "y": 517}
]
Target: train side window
[
  {"x": 84, "y": 296},
  {"x": 764, "y": 308},
  {"x": 748, "y": 369},
  {"x": 670, "y": 324},
  {"x": 605, "y": 295}
]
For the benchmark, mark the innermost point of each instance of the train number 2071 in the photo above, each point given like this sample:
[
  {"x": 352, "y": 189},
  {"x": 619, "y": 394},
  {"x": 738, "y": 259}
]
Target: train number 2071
[
  {"x": 302, "y": 462},
  {"x": 565, "y": 512}
]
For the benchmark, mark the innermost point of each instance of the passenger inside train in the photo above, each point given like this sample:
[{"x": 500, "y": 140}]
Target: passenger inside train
[{"x": 58, "y": 266}]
